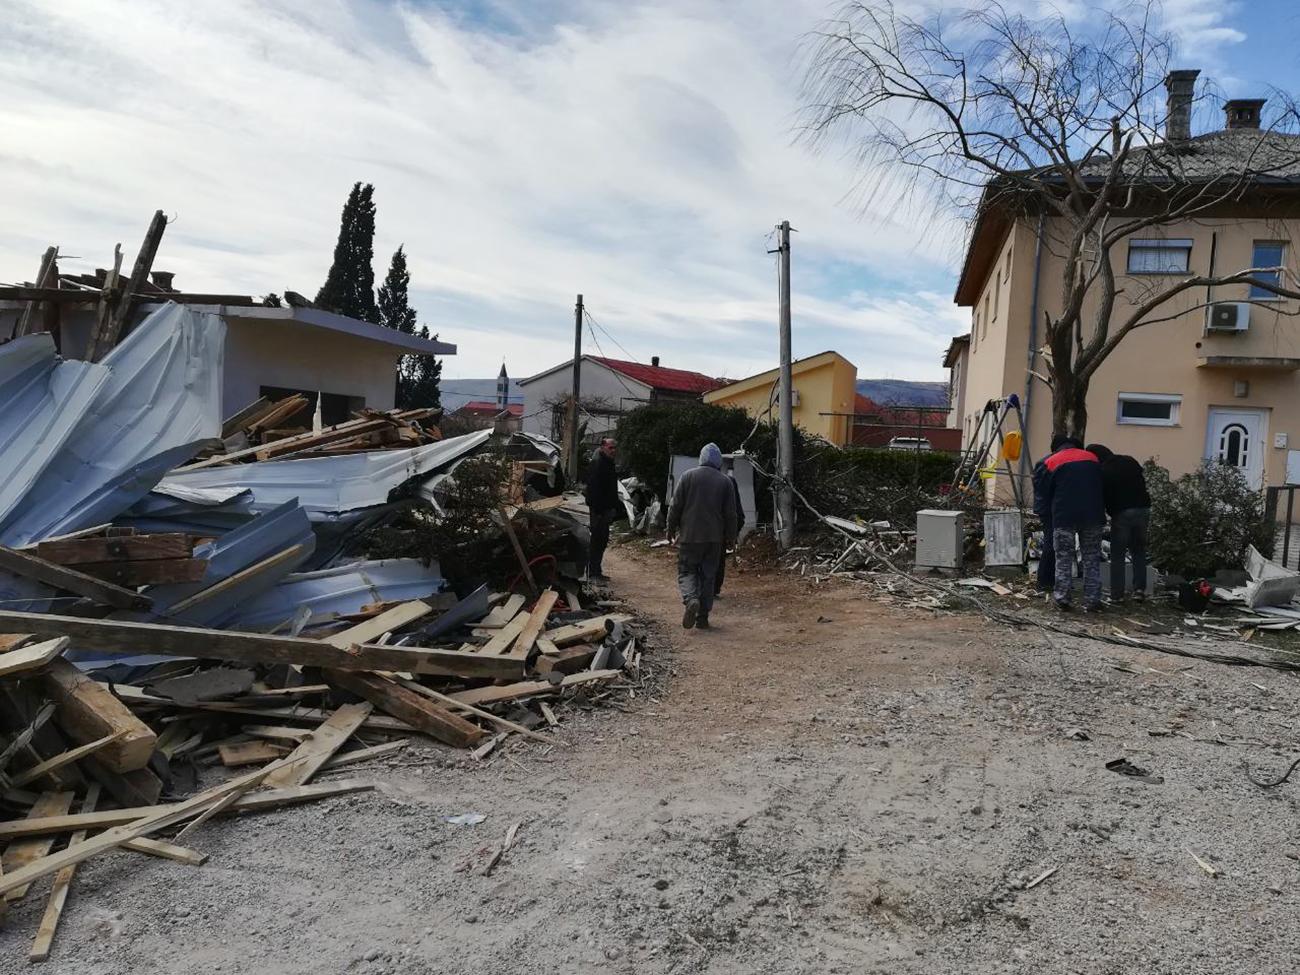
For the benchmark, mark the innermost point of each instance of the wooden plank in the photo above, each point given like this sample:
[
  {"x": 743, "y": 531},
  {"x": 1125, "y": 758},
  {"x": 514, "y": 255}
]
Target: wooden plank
[
  {"x": 277, "y": 733},
  {"x": 503, "y": 614},
  {"x": 118, "y": 548},
  {"x": 32, "y": 657},
  {"x": 376, "y": 722},
  {"x": 160, "y": 818},
  {"x": 236, "y": 422},
  {"x": 523, "y": 646},
  {"x": 340, "y": 431},
  {"x": 365, "y": 754},
  {"x": 250, "y": 753},
  {"x": 66, "y": 758},
  {"x": 139, "y": 787},
  {"x": 377, "y": 626},
  {"x": 167, "y": 851},
  {"x": 501, "y": 722},
  {"x": 12, "y": 641},
  {"x": 519, "y": 550},
  {"x": 59, "y": 891},
  {"x": 109, "y": 294},
  {"x": 414, "y": 709},
  {"x": 268, "y": 799},
  {"x": 22, "y": 853},
  {"x": 570, "y": 660},
  {"x": 46, "y": 277},
  {"x": 188, "y": 641},
  {"x": 230, "y": 798},
  {"x": 304, "y": 761},
  {"x": 103, "y": 340},
  {"x": 586, "y": 631},
  {"x": 530, "y": 688},
  {"x": 280, "y": 411},
  {"x": 507, "y": 635},
  {"x": 292, "y": 553},
  {"x": 70, "y": 580},
  {"x": 147, "y": 572},
  {"x": 87, "y": 712}
]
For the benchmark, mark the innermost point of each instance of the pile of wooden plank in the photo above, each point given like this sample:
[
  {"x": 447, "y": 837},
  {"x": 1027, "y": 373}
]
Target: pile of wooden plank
[
  {"x": 279, "y": 429},
  {"x": 88, "y": 766},
  {"x": 126, "y": 557}
]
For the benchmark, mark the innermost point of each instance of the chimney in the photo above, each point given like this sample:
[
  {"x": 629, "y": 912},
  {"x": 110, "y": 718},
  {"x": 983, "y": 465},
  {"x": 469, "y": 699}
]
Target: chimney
[
  {"x": 654, "y": 361},
  {"x": 1181, "y": 86},
  {"x": 1242, "y": 113},
  {"x": 163, "y": 279}
]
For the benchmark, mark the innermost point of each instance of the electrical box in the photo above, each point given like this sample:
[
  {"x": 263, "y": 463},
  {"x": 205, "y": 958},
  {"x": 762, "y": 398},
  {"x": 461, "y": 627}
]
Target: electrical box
[
  {"x": 938, "y": 539},
  {"x": 1004, "y": 537}
]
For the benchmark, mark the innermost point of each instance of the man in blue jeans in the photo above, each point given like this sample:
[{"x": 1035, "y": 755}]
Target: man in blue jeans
[
  {"x": 1124, "y": 489},
  {"x": 1068, "y": 485}
]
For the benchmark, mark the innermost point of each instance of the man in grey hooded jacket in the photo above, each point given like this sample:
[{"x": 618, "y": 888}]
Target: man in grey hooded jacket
[{"x": 703, "y": 519}]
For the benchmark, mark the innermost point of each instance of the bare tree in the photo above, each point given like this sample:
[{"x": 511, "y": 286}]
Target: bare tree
[{"x": 989, "y": 112}]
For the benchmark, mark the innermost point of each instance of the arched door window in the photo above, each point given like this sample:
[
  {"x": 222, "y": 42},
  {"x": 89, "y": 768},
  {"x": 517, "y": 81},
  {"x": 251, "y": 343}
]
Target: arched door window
[{"x": 1234, "y": 445}]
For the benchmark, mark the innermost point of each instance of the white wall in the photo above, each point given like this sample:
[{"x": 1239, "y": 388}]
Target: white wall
[
  {"x": 282, "y": 353},
  {"x": 598, "y": 382}
]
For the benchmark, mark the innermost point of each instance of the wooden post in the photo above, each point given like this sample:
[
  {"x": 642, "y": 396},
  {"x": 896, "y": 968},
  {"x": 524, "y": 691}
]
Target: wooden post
[
  {"x": 105, "y": 338},
  {"x": 48, "y": 265}
]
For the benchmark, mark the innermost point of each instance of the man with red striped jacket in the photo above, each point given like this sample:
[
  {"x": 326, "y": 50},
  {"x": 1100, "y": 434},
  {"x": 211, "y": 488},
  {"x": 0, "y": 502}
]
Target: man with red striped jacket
[{"x": 1068, "y": 490}]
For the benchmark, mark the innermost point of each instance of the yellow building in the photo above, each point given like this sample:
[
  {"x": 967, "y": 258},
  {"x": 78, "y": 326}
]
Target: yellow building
[{"x": 825, "y": 388}]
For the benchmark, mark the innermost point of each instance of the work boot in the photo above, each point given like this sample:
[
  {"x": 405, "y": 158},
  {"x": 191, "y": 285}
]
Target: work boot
[
  {"x": 1063, "y": 605},
  {"x": 702, "y": 623},
  {"x": 690, "y": 614}
]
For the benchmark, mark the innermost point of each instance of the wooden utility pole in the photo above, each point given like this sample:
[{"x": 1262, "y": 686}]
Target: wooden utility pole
[
  {"x": 574, "y": 448},
  {"x": 785, "y": 432}
]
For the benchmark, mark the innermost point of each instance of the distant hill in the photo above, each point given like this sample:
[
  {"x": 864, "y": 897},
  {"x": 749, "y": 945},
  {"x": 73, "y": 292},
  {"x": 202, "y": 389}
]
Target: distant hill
[
  {"x": 902, "y": 392},
  {"x": 457, "y": 392}
]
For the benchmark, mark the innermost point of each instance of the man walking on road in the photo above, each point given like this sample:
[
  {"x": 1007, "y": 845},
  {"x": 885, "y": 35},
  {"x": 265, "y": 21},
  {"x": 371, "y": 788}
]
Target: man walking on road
[
  {"x": 1068, "y": 486},
  {"x": 740, "y": 524},
  {"x": 603, "y": 506},
  {"x": 1124, "y": 488},
  {"x": 703, "y": 520}
]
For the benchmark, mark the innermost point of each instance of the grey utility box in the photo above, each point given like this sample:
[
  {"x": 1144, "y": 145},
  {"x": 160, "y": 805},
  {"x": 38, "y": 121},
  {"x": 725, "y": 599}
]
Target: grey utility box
[
  {"x": 1004, "y": 537},
  {"x": 938, "y": 539}
]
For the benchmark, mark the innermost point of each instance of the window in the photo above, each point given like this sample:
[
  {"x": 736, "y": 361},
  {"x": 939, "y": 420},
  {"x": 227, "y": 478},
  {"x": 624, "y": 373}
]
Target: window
[
  {"x": 985, "y": 321},
  {"x": 997, "y": 294},
  {"x": 1149, "y": 409},
  {"x": 975, "y": 330},
  {"x": 1267, "y": 253},
  {"x": 1159, "y": 256}
]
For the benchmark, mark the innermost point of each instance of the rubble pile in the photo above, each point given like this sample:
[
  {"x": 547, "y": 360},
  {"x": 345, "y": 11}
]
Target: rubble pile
[{"x": 180, "y": 596}]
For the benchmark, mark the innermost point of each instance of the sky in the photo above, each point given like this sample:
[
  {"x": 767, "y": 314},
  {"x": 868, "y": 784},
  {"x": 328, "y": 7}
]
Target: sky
[{"x": 639, "y": 153}]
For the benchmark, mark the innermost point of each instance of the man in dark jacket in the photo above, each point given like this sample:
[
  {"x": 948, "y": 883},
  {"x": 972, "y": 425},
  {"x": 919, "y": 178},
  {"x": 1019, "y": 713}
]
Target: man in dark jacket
[
  {"x": 603, "y": 505},
  {"x": 1068, "y": 485},
  {"x": 703, "y": 520},
  {"x": 740, "y": 524},
  {"x": 1124, "y": 489}
]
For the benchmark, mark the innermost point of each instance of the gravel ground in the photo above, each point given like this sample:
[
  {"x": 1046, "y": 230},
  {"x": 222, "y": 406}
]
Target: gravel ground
[{"x": 828, "y": 784}]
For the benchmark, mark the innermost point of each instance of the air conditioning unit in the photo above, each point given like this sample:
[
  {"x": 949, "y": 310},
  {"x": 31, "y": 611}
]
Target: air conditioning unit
[{"x": 1228, "y": 316}]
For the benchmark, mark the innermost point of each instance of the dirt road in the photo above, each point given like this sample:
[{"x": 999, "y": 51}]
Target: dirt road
[{"x": 828, "y": 785}]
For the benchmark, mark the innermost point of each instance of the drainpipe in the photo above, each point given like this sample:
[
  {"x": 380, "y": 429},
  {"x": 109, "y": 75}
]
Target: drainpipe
[{"x": 1032, "y": 354}]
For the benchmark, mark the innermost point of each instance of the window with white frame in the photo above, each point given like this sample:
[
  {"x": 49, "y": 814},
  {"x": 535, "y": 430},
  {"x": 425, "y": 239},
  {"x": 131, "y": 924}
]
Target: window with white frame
[
  {"x": 1149, "y": 409},
  {"x": 1266, "y": 253},
  {"x": 1159, "y": 256}
]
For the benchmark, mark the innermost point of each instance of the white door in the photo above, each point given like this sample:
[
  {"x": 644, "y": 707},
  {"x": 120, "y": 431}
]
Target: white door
[{"x": 1236, "y": 438}]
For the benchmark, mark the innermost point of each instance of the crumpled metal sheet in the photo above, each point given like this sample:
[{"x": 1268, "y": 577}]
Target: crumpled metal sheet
[
  {"x": 338, "y": 591},
  {"x": 43, "y": 401},
  {"x": 279, "y": 529},
  {"x": 158, "y": 405},
  {"x": 327, "y": 487}
]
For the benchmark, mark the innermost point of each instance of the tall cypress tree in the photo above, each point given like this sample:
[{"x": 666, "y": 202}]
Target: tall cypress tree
[
  {"x": 349, "y": 288},
  {"x": 417, "y": 375}
]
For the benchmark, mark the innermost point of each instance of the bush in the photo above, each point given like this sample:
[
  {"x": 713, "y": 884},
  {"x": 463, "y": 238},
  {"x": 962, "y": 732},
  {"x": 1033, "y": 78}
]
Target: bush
[
  {"x": 874, "y": 483},
  {"x": 1203, "y": 522}
]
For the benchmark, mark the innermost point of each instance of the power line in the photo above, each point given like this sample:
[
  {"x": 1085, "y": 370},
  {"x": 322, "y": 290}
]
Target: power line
[
  {"x": 591, "y": 320},
  {"x": 617, "y": 375}
]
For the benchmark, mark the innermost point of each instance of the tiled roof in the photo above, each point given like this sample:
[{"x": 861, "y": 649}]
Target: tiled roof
[
  {"x": 489, "y": 408},
  {"x": 1267, "y": 156},
  {"x": 660, "y": 377}
]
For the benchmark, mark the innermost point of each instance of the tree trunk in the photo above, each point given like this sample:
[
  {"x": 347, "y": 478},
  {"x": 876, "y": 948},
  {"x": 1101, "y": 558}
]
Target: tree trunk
[{"x": 1069, "y": 405}]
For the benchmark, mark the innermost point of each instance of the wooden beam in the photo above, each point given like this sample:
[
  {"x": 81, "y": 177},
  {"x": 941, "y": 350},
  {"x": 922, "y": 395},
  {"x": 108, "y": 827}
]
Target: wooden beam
[
  {"x": 237, "y": 579},
  {"x": 27, "y": 851},
  {"x": 188, "y": 641},
  {"x": 59, "y": 891},
  {"x": 166, "y": 851},
  {"x": 87, "y": 712},
  {"x": 32, "y": 657},
  {"x": 89, "y": 296},
  {"x": 66, "y": 758},
  {"x": 507, "y": 635},
  {"x": 377, "y": 626},
  {"x": 340, "y": 431},
  {"x": 108, "y": 296},
  {"x": 269, "y": 799},
  {"x": 70, "y": 580},
  {"x": 531, "y": 688},
  {"x": 533, "y": 627},
  {"x": 417, "y": 711},
  {"x": 305, "y": 760},
  {"x": 430, "y": 693},
  {"x": 103, "y": 340},
  {"x": 586, "y": 631},
  {"x": 78, "y": 551},
  {"x": 235, "y": 423},
  {"x": 504, "y": 613},
  {"x": 519, "y": 550},
  {"x": 250, "y": 753},
  {"x": 147, "y": 572},
  {"x": 365, "y": 754},
  {"x": 570, "y": 660},
  {"x": 48, "y": 265}
]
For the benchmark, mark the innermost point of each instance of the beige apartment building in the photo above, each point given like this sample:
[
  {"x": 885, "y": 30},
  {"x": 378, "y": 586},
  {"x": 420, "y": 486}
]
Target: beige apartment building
[{"x": 1219, "y": 382}]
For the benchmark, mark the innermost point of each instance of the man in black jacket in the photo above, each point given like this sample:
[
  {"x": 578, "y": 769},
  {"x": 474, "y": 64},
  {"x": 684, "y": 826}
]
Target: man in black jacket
[
  {"x": 1068, "y": 486},
  {"x": 1129, "y": 506},
  {"x": 603, "y": 505}
]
